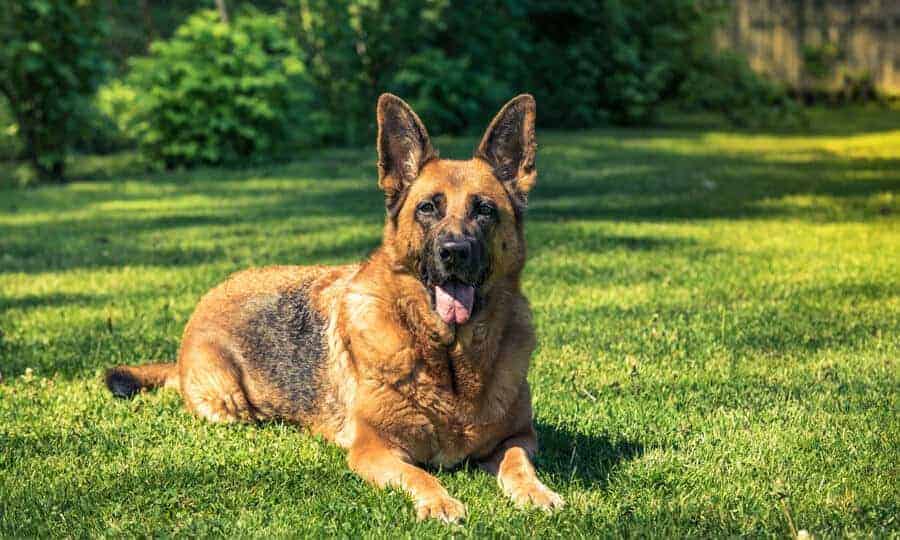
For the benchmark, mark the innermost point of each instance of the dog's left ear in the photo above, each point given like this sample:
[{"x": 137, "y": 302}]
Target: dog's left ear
[
  {"x": 509, "y": 146},
  {"x": 403, "y": 148}
]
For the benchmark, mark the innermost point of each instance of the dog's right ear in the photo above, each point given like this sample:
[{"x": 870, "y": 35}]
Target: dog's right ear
[
  {"x": 403, "y": 148},
  {"x": 509, "y": 146}
]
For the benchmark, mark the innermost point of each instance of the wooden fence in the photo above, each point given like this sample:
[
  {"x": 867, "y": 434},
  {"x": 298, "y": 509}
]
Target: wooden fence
[{"x": 818, "y": 46}]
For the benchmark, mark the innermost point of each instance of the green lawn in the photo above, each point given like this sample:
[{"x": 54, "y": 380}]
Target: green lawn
[{"x": 719, "y": 322}]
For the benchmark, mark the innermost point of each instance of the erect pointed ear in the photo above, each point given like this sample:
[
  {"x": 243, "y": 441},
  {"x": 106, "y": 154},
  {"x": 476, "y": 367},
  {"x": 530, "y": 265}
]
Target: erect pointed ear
[
  {"x": 509, "y": 146},
  {"x": 403, "y": 148}
]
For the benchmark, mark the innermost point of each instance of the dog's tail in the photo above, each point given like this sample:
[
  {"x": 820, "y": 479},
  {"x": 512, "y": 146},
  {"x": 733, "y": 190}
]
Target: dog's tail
[{"x": 126, "y": 381}]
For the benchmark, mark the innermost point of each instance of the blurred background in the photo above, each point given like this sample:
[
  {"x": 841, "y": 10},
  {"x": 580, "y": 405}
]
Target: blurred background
[{"x": 176, "y": 84}]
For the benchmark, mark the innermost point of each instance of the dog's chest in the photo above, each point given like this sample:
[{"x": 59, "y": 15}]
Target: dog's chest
[{"x": 449, "y": 389}]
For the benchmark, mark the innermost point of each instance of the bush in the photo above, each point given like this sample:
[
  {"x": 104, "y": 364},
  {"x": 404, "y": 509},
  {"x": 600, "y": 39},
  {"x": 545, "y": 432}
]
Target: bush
[
  {"x": 50, "y": 63},
  {"x": 220, "y": 93},
  {"x": 726, "y": 84}
]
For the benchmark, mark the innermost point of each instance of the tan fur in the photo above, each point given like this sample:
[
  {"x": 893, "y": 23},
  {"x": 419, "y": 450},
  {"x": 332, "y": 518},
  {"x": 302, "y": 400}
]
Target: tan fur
[{"x": 400, "y": 387}]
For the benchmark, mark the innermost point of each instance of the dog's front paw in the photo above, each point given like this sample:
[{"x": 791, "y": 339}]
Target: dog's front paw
[
  {"x": 442, "y": 507},
  {"x": 534, "y": 494}
]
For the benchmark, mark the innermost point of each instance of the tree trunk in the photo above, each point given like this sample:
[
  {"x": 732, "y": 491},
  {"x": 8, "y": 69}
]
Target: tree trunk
[
  {"x": 55, "y": 173},
  {"x": 149, "y": 29},
  {"x": 223, "y": 10}
]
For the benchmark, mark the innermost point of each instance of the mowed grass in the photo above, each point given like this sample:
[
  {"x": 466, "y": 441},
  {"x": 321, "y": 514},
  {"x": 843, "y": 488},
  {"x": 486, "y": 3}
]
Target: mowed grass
[{"x": 718, "y": 316}]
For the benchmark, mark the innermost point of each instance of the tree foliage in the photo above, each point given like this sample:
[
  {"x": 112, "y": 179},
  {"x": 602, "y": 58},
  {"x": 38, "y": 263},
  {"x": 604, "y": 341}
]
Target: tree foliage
[
  {"x": 51, "y": 61},
  {"x": 588, "y": 62}
]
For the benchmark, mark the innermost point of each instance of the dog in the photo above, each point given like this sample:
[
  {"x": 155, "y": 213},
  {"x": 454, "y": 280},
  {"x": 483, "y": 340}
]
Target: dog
[{"x": 416, "y": 357}]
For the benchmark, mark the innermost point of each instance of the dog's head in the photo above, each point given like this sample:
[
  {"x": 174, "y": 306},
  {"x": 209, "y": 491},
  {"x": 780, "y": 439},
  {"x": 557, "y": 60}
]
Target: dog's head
[{"x": 456, "y": 225}]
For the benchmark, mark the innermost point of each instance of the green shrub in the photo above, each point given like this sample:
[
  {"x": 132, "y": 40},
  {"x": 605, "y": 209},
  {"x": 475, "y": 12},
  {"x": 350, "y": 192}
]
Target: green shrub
[
  {"x": 51, "y": 61},
  {"x": 726, "y": 84},
  {"x": 220, "y": 93}
]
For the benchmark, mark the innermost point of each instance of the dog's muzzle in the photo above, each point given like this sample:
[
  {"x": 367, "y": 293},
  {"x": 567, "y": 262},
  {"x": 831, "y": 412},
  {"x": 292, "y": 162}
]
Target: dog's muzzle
[{"x": 456, "y": 271}]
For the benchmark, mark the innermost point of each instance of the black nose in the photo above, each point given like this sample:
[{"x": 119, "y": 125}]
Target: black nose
[{"x": 454, "y": 252}]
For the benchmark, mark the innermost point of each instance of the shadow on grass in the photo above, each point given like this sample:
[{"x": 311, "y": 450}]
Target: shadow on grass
[
  {"x": 132, "y": 237},
  {"x": 609, "y": 175},
  {"x": 605, "y": 178},
  {"x": 569, "y": 455}
]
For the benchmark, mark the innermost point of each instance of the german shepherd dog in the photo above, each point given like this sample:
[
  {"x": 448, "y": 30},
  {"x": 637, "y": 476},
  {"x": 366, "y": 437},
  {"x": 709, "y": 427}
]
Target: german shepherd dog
[{"x": 417, "y": 356}]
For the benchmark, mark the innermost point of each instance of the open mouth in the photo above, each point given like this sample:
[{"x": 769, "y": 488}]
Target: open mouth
[{"x": 453, "y": 300}]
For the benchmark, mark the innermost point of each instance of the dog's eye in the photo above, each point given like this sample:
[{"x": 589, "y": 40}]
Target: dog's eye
[
  {"x": 485, "y": 210},
  {"x": 426, "y": 207}
]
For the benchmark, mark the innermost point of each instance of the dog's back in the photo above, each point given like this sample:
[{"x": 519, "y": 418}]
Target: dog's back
[{"x": 255, "y": 347}]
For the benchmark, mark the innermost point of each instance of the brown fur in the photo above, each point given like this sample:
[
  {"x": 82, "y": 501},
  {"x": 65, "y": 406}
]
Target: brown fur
[{"x": 358, "y": 354}]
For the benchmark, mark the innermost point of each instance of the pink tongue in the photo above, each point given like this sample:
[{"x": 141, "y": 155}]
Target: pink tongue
[{"x": 454, "y": 302}]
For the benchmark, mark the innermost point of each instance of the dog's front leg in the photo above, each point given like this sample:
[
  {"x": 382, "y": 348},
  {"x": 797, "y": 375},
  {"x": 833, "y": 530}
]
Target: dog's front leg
[
  {"x": 376, "y": 462},
  {"x": 511, "y": 463}
]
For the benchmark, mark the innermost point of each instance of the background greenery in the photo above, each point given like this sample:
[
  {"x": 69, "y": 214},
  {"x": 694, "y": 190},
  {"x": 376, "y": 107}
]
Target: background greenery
[
  {"x": 187, "y": 88},
  {"x": 717, "y": 312},
  {"x": 50, "y": 63}
]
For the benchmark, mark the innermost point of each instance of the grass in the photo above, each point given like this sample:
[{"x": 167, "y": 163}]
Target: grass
[{"x": 718, "y": 314}]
